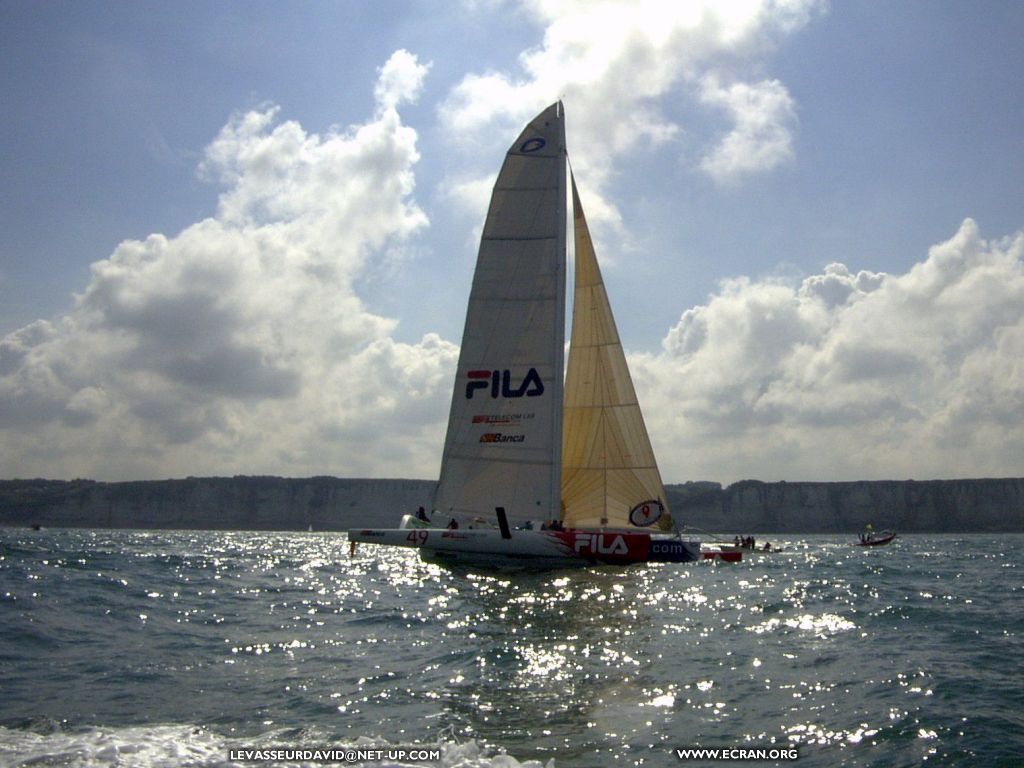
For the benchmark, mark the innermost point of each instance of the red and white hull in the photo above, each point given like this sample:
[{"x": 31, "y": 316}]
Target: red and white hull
[
  {"x": 725, "y": 555},
  {"x": 535, "y": 548}
]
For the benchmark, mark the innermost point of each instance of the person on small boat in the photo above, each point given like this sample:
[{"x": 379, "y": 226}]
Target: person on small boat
[
  {"x": 421, "y": 514},
  {"x": 453, "y": 524},
  {"x": 767, "y": 547}
]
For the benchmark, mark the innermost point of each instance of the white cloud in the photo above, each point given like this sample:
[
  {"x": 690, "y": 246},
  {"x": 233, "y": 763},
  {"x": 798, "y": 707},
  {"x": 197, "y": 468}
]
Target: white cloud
[
  {"x": 400, "y": 80},
  {"x": 240, "y": 344},
  {"x": 847, "y": 375},
  {"x": 614, "y": 61},
  {"x": 761, "y": 139}
]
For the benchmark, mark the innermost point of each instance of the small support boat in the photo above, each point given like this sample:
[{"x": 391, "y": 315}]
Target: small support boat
[
  {"x": 725, "y": 555},
  {"x": 872, "y": 539}
]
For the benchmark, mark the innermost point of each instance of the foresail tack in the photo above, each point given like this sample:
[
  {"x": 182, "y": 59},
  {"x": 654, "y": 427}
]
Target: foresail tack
[
  {"x": 609, "y": 472},
  {"x": 504, "y": 428}
]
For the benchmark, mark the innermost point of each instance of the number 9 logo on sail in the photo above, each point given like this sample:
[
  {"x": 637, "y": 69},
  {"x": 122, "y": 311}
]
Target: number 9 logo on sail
[{"x": 646, "y": 513}]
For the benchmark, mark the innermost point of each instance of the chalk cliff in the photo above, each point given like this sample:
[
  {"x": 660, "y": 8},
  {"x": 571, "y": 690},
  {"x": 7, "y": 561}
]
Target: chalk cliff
[
  {"x": 219, "y": 503},
  {"x": 332, "y": 504},
  {"x": 751, "y": 506}
]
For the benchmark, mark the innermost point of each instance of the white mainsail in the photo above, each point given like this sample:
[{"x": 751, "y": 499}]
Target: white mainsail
[
  {"x": 610, "y": 478},
  {"x": 504, "y": 440}
]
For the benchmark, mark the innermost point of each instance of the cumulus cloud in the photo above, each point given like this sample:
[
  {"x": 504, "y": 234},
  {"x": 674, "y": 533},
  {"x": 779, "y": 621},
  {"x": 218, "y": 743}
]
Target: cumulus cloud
[
  {"x": 615, "y": 62},
  {"x": 849, "y": 375},
  {"x": 240, "y": 344},
  {"x": 401, "y": 79},
  {"x": 763, "y": 114}
]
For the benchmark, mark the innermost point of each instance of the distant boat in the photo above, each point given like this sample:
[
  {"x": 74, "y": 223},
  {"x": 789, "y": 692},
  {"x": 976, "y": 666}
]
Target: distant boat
[
  {"x": 872, "y": 539},
  {"x": 747, "y": 546},
  {"x": 536, "y": 469}
]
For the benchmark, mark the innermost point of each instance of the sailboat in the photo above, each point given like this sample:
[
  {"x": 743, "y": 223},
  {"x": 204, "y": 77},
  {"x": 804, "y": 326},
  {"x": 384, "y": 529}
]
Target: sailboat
[{"x": 545, "y": 463}]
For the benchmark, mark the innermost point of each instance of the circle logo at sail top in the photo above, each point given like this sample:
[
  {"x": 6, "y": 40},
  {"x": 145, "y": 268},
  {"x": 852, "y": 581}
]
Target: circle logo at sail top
[
  {"x": 532, "y": 145},
  {"x": 646, "y": 513}
]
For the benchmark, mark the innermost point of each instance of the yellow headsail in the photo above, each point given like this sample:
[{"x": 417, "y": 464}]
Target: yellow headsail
[{"x": 609, "y": 474}]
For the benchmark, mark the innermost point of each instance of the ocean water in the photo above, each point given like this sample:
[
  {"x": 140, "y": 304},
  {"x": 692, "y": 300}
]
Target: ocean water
[{"x": 169, "y": 648}]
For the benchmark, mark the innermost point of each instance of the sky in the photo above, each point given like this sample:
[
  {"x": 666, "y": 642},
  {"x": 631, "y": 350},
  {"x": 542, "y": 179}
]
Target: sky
[{"x": 238, "y": 237}]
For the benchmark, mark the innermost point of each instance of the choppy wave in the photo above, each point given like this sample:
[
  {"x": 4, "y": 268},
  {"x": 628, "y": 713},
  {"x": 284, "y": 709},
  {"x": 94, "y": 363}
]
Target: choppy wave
[
  {"x": 174, "y": 746},
  {"x": 173, "y": 648}
]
